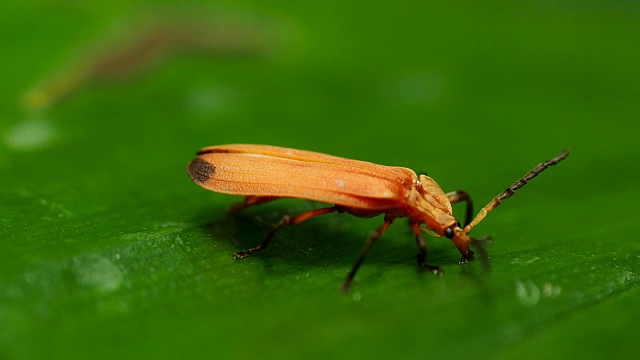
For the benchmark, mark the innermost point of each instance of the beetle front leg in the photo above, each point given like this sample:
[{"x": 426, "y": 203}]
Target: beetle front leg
[
  {"x": 422, "y": 250},
  {"x": 463, "y": 246}
]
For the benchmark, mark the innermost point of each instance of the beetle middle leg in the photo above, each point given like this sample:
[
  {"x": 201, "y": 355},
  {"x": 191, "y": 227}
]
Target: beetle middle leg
[
  {"x": 460, "y": 196},
  {"x": 286, "y": 221},
  {"x": 388, "y": 220},
  {"x": 422, "y": 252}
]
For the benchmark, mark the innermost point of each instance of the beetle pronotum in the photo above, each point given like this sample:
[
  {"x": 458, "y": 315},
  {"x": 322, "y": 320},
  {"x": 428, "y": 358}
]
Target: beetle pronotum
[{"x": 264, "y": 173}]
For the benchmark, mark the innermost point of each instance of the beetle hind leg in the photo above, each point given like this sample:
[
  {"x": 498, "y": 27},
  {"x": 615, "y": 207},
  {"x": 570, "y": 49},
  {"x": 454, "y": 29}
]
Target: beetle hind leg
[
  {"x": 251, "y": 201},
  {"x": 286, "y": 221}
]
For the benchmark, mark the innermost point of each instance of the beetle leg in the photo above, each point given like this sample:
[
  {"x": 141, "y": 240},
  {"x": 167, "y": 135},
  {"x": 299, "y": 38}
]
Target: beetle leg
[
  {"x": 388, "y": 220},
  {"x": 462, "y": 243},
  {"x": 459, "y": 196},
  {"x": 286, "y": 221},
  {"x": 250, "y": 201},
  {"x": 422, "y": 253}
]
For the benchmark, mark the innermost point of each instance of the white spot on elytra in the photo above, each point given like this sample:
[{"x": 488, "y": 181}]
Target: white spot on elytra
[
  {"x": 101, "y": 274},
  {"x": 527, "y": 292},
  {"x": 30, "y": 135},
  {"x": 340, "y": 183}
]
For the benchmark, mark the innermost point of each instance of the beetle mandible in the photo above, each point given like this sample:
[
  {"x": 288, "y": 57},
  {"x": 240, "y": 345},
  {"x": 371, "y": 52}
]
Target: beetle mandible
[{"x": 264, "y": 173}]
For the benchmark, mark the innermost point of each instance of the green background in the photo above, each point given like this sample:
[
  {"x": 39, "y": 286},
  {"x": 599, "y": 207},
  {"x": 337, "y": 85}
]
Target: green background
[{"x": 109, "y": 249}]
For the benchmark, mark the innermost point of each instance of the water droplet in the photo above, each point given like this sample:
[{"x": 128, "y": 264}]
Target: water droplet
[
  {"x": 101, "y": 274},
  {"x": 30, "y": 135},
  {"x": 527, "y": 292}
]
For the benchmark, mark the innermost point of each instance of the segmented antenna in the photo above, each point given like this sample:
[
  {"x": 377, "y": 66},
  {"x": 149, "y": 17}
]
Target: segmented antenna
[{"x": 515, "y": 186}]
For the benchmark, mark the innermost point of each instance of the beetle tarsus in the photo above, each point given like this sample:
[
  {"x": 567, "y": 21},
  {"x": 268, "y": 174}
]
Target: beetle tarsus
[
  {"x": 285, "y": 221},
  {"x": 467, "y": 256},
  {"x": 422, "y": 262},
  {"x": 422, "y": 251},
  {"x": 245, "y": 253},
  {"x": 346, "y": 285},
  {"x": 436, "y": 270},
  {"x": 263, "y": 245}
]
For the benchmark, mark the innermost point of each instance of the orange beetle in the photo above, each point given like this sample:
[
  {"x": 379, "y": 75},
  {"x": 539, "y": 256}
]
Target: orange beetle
[{"x": 264, "y": 173}]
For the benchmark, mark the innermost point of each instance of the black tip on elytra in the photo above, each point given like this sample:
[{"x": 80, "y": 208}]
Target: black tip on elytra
[{"x": 200, "y": 170}]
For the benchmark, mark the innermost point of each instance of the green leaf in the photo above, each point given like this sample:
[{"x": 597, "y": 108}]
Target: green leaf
[{"x": 111, "y": 250}]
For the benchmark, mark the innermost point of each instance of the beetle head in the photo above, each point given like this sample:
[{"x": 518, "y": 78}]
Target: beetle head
[{"x": 462, "y": 241}]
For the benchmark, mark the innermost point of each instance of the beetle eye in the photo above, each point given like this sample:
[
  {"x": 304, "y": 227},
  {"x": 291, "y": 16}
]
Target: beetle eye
[{"x": 449, "y": 233}]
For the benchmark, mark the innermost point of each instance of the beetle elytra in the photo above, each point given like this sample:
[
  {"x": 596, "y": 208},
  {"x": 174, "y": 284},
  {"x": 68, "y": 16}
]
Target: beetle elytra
[{"x": 264, "y": 173}]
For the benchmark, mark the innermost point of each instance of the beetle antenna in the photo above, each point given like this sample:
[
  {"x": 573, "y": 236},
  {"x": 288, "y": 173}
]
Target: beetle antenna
[{"x": 515, "y": 186}]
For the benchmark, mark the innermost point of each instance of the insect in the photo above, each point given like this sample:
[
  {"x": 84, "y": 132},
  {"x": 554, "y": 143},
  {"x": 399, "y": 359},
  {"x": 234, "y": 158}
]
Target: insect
[{"x": 263, "y": 173}]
